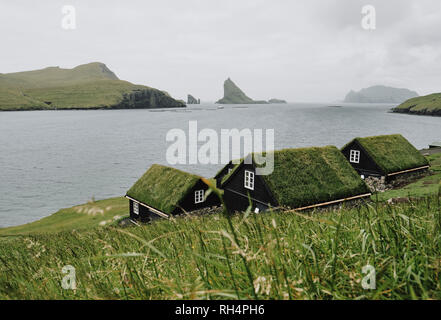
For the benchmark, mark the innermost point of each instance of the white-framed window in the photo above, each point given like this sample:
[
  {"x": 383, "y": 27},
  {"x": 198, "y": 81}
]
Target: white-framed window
[
  {"x": 249, "y": 180},
  {"x": 199, "y": 196},
  {"x": 136, "y": 208},
  {"x": 354, "y": 156}
]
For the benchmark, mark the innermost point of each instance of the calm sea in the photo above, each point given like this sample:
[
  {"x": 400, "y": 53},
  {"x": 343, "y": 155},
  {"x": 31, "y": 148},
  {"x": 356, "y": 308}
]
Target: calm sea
[{"x": 56, "y": 159}]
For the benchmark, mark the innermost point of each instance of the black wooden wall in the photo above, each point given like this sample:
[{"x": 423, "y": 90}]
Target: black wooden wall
[
  {"x": 145, "y": 215},
  {"x": 367, "y": 165},
  {"x": 187, "y": 204},
  {"x": 236, "y": 196}
]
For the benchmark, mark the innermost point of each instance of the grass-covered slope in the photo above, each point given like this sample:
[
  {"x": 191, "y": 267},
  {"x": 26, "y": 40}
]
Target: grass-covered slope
[
  {"x": 393, "y": 153},
  {"x": 163, "y": 187},
  {"x": 427, "y": 105},
  {"x": 86, "y": 86},
  {"x": 86, "y": 216},
  {"x": 308, "y": 176},
  {"x": 267, "y": 256}
]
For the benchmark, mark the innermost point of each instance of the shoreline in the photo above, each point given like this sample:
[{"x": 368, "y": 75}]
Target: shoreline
[
  {"x": 92, "y": 108},
  {"x": 416, "y": 113}
]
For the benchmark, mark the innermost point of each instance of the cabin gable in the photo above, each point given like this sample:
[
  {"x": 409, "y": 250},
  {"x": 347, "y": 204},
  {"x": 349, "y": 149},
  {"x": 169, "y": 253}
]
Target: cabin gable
[
  {"x": 223, "y": 172},
  {"x": 360, "y": 160},
  {"x": 196, "y": 199},
  {"x": 244, "y": 184}
]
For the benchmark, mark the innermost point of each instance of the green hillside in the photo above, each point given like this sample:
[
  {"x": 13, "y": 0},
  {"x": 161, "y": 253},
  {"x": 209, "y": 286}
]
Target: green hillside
[
  {"x": 86, "y": 86},
  {"x": 427, "y": 105},
  {"x": 86, "y": 216}
]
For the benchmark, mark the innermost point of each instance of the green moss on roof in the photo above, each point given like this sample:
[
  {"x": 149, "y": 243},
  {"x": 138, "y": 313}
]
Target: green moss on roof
[
  {"x": 393, "y": 153},
  {"x": 229, "y": 174},
  {"x": 308, "y": 176},
  {"x": 163, "y": 187}
]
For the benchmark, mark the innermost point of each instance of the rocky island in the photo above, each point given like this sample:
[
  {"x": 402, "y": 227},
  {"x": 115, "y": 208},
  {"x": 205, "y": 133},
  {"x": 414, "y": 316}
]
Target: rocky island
[
  {"x": 427, "y": 105},
  {"x": 192, "y": 100},
  {"x": 88, "y": 86},
  {"x": 380, "y": 94},
  {"x": 234, "y": 95}
]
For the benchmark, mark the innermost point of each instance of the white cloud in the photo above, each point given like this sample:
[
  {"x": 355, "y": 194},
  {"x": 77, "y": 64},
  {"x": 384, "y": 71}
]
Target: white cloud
[{"x": 306, "y": 50}]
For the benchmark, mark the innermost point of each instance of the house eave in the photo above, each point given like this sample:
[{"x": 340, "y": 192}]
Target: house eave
[
  {"x": 333, "y": 202},
  {"x": 154, "y": 210},
  {"x": 406, "y": 171}
]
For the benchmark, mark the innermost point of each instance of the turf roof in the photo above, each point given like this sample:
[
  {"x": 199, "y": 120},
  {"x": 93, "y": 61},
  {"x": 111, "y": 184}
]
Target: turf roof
[
  {"x": 163, "y": 187},
  {"x": 309, "y": 176},
  {"x": 392, "y": 153}
]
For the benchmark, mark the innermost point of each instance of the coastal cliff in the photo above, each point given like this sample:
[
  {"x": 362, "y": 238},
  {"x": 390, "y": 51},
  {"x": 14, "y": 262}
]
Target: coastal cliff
[
  {"x": 88, "y": 86},
  {"x": 427, "y": 105}
]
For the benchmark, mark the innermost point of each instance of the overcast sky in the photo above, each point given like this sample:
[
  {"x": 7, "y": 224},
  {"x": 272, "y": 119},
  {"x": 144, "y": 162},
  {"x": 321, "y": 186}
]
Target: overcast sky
[{"x": 302, "y": 50}]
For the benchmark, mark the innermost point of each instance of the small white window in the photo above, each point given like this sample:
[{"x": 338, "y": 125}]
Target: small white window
[
  {"x": 199, "y": 196},
  {"x": 136, "y": 208},
  {"x": 249, "y": 180},
  {"x": 354, "y": 157}
]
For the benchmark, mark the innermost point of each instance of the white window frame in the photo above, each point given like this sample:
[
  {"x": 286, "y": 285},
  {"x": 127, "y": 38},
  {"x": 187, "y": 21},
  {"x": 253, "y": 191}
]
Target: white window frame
[
  {"x": 199, "y": 196},
  {"x": 136, "y": 208},
  {"x": 249, "y": 180},
  {"x": 354, "y": 156}
]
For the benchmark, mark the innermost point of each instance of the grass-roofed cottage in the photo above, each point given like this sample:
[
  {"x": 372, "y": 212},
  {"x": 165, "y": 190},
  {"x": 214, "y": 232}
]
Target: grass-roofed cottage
[
  {"x": 164, "y": 191},
  {"x": 384, "y": 156},
  {"x": 302, "y": 178}
]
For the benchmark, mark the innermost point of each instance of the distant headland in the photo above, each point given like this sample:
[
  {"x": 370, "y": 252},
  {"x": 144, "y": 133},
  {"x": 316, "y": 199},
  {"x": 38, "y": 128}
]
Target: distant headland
[
  {"x": 380, "y": 94},
  {"x": 87, "y": 86}
]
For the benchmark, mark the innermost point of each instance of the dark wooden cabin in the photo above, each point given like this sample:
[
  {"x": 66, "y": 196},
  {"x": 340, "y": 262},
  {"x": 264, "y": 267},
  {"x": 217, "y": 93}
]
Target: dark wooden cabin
[
  {"x": 384, "y": 156},
  {"x": 225, "y": 171},
  {"x": 163, "y": 192},
  {"x": 302, "y": 179}
]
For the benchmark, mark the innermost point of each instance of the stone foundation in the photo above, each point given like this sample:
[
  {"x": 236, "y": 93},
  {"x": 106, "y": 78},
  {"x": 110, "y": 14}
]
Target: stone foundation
[{"x": 381, "y": 184}]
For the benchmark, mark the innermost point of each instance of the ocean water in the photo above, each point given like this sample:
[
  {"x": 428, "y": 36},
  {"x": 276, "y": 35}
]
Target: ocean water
[{"x": 57, "y": 159}]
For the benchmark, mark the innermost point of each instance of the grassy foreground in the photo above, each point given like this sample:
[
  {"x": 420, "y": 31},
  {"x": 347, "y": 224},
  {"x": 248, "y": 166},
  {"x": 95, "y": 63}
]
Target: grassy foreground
[{"x": 267, "y": 256}]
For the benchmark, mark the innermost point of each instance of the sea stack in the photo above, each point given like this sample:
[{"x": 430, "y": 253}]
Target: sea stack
[
  {"x": 234, "y": 95},
  {"x": 192, "y": 100}
]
